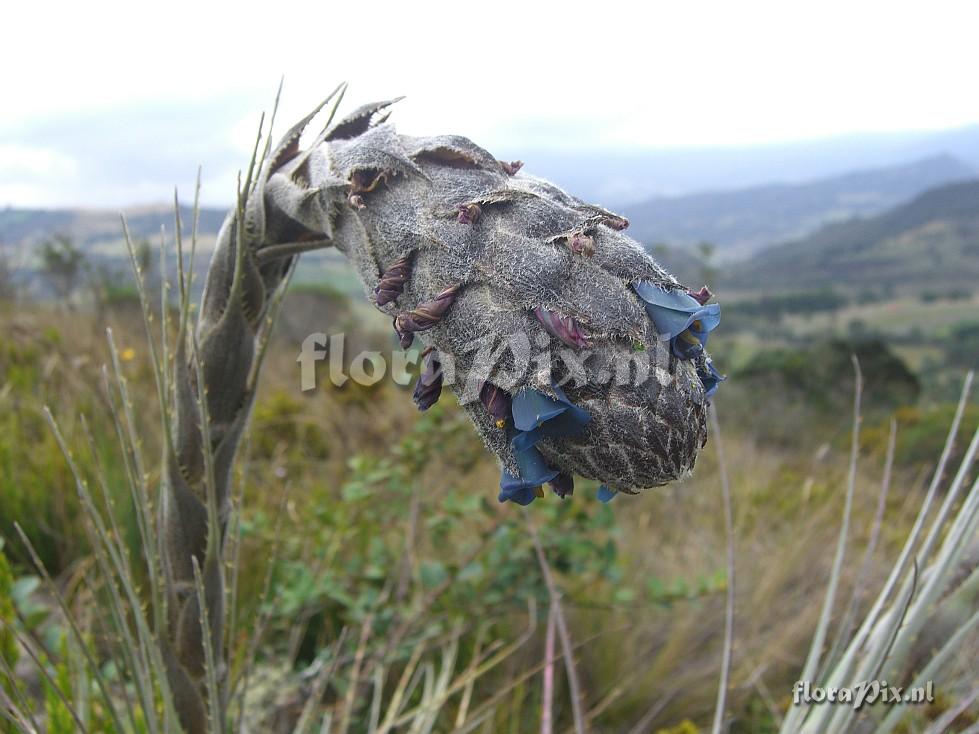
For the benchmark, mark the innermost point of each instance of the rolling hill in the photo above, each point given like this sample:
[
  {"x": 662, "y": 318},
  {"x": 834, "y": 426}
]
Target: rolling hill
[
  {"x": 95, "y": 230},
  {"x": 620, "y": 177},
  {"x": 931, "y": 242},
  {"x": 741, "y": 222}
]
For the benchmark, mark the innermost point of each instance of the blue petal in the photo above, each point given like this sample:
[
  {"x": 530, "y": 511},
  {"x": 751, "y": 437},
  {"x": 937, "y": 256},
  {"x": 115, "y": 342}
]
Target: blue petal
[
  {"x": 519, "y": 490},
  {"x": 581, "y": 416},
  {"x": 709, "y": 316},
  {"x": 711, "y": 379},
  {"x": 569, "y": 423},
  {"x": 525, "y": 440},
  {"x": 537, "y": 416},
  {"x": 673, "y": 312},
  {"x": 705, "y": 323},
  {"x": 531, "y": 408},
  {"x": 533, "y": 468},
  {"x": 515, "y": 489},
  {"x": 605, "y": 494},
  {"x": 677, "y": 300}
]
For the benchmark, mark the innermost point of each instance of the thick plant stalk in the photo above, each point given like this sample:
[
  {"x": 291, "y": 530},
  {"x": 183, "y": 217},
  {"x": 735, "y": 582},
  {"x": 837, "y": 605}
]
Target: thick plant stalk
[{"x": 216, "y": 372}]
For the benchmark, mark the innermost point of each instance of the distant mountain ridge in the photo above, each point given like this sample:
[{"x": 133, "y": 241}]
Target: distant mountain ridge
[
  {"x": 741, "y": 222},
  {"x": 931, "y": 242},
  {"x": 620, "y": 178},
  {"x": 22, "y": 229},
  {"x": 929, "y": 239}
]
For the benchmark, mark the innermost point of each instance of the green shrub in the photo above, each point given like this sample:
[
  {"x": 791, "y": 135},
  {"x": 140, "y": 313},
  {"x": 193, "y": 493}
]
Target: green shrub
[{"x": 822, "y": 375}]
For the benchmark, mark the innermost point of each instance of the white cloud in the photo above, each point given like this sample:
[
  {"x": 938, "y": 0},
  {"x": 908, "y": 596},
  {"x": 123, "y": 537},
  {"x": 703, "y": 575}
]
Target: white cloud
[
  {"x": 184, "y": 81},
  {"x": 34, "y": 162}
]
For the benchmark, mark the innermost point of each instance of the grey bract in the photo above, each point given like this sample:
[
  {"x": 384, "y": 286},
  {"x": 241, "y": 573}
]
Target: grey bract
[{"x": 420, "y": 216}]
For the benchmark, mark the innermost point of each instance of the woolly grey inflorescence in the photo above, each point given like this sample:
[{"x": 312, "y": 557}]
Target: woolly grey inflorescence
[
  {"x": 593, "y": 353},
  {"x": 572, "y": 351}
]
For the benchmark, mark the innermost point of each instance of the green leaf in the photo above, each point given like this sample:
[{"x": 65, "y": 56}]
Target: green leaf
[
  {"x": 22, "y": 589},
  {"x": 624, "y": 595},
  {"x": 433, "y": 573}
]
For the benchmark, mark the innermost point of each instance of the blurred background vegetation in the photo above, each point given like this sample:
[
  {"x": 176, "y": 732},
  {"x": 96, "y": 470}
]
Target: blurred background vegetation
[{"x": 359, "y": 513}]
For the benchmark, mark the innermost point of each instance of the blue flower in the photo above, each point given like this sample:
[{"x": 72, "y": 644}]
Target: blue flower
[
  {"x": 686, "y": 322},
  {"x": 518, "y": 490},
  {"x": 536, "y": 416},
  {"x": 674, "y": 311},
  {"x": 606, "y": 495},
  {"x": 710, "y": 378},
  {"x": 534, "y": 472}
]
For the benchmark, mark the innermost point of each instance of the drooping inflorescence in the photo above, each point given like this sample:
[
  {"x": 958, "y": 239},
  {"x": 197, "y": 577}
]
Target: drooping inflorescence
[{"x": 572, "y": 350}]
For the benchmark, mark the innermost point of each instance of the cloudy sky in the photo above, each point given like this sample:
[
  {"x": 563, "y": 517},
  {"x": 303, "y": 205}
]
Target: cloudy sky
[{"x": 111, "y": 104}]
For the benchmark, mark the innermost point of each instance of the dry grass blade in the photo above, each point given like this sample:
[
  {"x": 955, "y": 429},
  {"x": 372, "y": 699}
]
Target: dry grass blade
[
  {"x": 943, "y": 722},
  {"x": 93, "y": 667},
  {"x": 574, "y": 686},
  {"x": 380, "y": 673},
  {"x": 933, "y": 668},
  {"x": 350, "y": 698},
  {"x": 845, "y": 626},
  {"x": 21, "y": 709},
  {"x": 216, "y": 708},
  {"x": 319, "y": 685},
  {"x": 506, "y": 691},
  {"x": 239, "y": 684},
  {"x": 643, "y": 725},
  {"x": 839, "y": 673},
  {"x": 43, "y": 669},
  {"x": 491, "y": 662},
  {"x": 899, "y": 621},
  {"x": 547, "y": 696},
  {"x": 15, "y": 715},
  {"x": 467, "y": 691},
  {"x": 400, "y": 691},
  {"x": 793, "y": 719},
  {"x": 729, "y": 602},
  {"x": 885, "y": 636}
]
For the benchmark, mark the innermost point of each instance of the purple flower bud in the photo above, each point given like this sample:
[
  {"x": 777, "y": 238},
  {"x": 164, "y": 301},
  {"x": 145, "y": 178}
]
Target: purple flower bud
[
  {"x": 512, "y": 167},
  {"x": 392, "y": 283},
  {"x": 563, "y": 485},
  {"x": 356, "y": 201},
  {"x": 582, "y": 244},
  {"x": 366, "y": 180},
  {"x": 468, "y": 213},
  {"x": 701, "y": 296},
  {"x": 429, "y": 385},
  {"x": 564, "y": 328},
  {"x": 424, "y": 316},
  {"x": 405, "y": 337},
  {"x": 615, "y": 222},
  {"x": 496, "y": 401}
]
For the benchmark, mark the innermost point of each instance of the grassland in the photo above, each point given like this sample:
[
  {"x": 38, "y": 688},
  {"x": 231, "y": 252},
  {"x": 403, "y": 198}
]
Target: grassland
[{"x": 363, "y": 514}]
